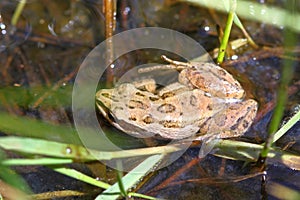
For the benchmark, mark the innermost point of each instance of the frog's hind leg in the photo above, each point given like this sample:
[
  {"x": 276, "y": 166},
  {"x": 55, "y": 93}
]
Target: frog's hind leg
[
  {"x": 180, "y": 65},
  {"x": 233, "y": 121},
  {"x": 176, "y": 65},
  {"x": 158, "y": 67}
]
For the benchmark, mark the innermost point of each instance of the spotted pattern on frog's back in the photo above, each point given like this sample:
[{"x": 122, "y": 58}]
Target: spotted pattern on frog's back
[{"x": 206, "y": 102}]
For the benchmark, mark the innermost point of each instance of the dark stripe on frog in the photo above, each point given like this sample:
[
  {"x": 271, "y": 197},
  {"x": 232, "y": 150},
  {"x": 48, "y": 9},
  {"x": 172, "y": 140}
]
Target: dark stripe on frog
[
  {"x": 193, "y": 100},
  {"x": 167, "y": 94},
  {"x": 153, "y": 98},
  {"x": 139, "y": 94},
  {"x": 170, "y": 124},
  {"x": 166, "y": 108},
  {"x": 132, "y": 118},
  {"x": 137, "y": 104},
  {"x": 238, "y": 122},
  {"x": 209, "y": 107},
  {"x": 148, "y": 119},
  {"x": 172, "y": 93},
  {"x": 109, "y": 96},
  {"x": 118, "y": 108},
  {"x": 245, "y": 124}
]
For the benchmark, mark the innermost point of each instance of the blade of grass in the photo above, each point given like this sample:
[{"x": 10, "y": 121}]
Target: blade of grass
[
  {"x": 286, "y": 127},
  {"x": 230, "y": 149},
  {"x": 20, "y": 126},
  {"x": 80, "y": 153},
  {"x": 43, "y": 147},
  {"x": 287, "y": 74},
  {"x": 239, "y": 24},
  {"x": 247, "y": 35},
  {"x": 119, "y": 179},
  {"x": 87, "y": 179},
  {"x": 257, "y": 12},
  {"x": 132, "y": 178},
  {"x": 18, "y": 12},
  {"x": 12, "y": 178},
  {"x": 237, "y": 150},
  {"x": 36, "y": 161},
  {"x": 227, "y": 31},
  {"x": 80, "y": 176}
]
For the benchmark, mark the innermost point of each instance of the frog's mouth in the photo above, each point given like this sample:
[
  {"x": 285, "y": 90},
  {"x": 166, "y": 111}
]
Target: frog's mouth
[{"x": 105, "y": 111}]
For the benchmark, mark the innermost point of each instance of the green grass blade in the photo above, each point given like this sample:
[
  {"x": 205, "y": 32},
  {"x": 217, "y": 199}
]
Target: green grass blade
[
  {"x": 238, "y": 150},
  {"x": 239, "y": 24},
  {"x": 119, "y": 178},
  {"x": 286, "y": 126},
  {"x": 132, "y": 178},
  {"x": 18, "y": 12},
  {"x": 82, "y": 177},
  {"x": 37, "y": 161},
  {"x": 257, "y": 12},
  {"x": 43, "y": 147},
  {"x": 12, "y": 178},
  {"x": 87, "y": 179},
  {"x": 227, "y": 148},
  {"x": 227, "y": 31},
  {"x": 19, "y": 126},
  {"x": 286, "y": 76},
  {"x": 80, "y": 153}
]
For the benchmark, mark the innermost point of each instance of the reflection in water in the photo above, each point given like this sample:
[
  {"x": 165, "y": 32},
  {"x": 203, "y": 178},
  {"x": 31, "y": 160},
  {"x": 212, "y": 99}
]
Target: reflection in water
[{"x": 8, "y": 33}]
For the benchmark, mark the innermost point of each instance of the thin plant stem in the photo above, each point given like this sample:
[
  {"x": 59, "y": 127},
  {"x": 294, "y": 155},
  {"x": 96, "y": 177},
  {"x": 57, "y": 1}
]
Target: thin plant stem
[
  {"x": 109, "y": 9},
  {"x": 18, "y": 12},
  {"x": 227, "y": 31},
  {"x": 247, "y": 35}
]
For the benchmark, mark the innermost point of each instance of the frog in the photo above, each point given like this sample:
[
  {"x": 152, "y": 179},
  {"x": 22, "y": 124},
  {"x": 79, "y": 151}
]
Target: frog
[{"x": 205, "y": 102}]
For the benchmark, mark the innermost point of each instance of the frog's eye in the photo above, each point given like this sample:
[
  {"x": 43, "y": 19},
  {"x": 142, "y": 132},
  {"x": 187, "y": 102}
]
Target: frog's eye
[{"x": 105, "y": 94}]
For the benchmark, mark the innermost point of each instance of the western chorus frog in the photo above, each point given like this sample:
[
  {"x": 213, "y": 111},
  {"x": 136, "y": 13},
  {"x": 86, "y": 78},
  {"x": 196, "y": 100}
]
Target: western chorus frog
[{"x": 206, "y": 102}]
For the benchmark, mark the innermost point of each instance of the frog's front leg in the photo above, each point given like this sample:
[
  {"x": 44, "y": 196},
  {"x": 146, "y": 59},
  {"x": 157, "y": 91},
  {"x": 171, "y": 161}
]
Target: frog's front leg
[{"x": 232, "y": 121}]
